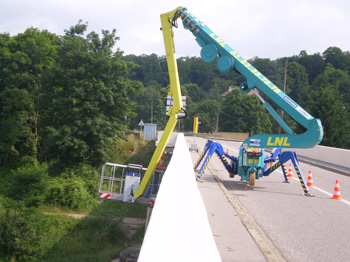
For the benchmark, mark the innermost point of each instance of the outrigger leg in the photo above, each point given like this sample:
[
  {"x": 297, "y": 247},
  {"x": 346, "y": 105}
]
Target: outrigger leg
[
  {"x": 282, "y": 158},
  {"x": 300, "y": 175}
]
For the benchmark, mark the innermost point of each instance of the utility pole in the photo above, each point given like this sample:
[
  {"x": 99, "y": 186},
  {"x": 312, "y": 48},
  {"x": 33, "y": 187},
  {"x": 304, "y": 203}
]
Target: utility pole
[
  {"x": 217, "y": 121},
  {"x": 152, "y": 112},
  {"x": 284, "y": 90}
]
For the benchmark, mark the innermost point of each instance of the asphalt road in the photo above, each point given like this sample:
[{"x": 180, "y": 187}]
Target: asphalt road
[{"x": 302, "y": 228}]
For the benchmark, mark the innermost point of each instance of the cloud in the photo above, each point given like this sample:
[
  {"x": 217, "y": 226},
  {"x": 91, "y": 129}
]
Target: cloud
[{"x": 262, "y": 28}]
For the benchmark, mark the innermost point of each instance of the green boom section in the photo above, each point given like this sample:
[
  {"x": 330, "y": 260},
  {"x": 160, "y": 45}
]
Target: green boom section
[{"x": 214, "y": 48}]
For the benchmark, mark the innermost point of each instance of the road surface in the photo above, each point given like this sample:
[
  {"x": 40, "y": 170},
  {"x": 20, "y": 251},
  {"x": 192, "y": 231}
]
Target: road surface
[{"x": 302, "y": 228}]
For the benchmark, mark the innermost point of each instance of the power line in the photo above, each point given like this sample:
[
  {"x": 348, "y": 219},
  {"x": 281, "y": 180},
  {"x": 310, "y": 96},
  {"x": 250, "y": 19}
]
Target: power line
[{"x": 236, "y": 118}]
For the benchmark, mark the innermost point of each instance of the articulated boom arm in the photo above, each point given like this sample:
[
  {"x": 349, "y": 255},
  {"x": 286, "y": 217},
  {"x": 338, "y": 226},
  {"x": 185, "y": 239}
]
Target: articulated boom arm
[
  {"x": 227, "y": 59},
  {"x": 167, "y": 20},
  {"x": 214, "y": 48}
]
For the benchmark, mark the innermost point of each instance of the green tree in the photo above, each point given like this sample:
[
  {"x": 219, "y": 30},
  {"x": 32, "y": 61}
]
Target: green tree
[
  {"x": 335, "y": 120},
  {"x": 335, "y": 56},
  {"x": 314, "y": 64},
  {"x": 23, "y": 61},
  {"x": 338, "y": 79},
  {"x": 151, "y": 107},
  {"x": 183, "y": 64},
  {"x": 150, "y": 70},
  {"x": 86, "y": 97},
  {"x": 206, "y": 111},
  {"x": 244, "y": 113},
  {"x": 271, "y": 69},
  {"x": 329, "y": 102},
  {"x": 201, "y": 73},
  {"x": 222, "y": 85},
  {"x": 195, "y": 92},
  {"x": 297, "y": 81}
]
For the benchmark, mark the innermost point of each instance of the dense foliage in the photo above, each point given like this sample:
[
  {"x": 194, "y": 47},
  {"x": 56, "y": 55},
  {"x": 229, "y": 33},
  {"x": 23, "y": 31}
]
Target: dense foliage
[
  {"x": 320, "y": 83},
  {"x": 65, "y": 108},
  {"x": 62, "y": 98}
]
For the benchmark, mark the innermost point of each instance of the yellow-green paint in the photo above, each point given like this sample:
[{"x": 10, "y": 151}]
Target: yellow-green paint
[
  {"x": 156, "y": 156},
  {"x": 168, "y": 37},
  {"x": 279, "y": 141},
  {"x": 175, "y": 91}
]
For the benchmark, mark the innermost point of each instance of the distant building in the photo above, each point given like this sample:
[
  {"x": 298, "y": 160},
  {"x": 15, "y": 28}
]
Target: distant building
[{"x": 230, "y": 89}]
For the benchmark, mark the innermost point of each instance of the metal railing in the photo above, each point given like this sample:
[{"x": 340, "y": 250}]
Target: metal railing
[{"x": 120, "y": 182}]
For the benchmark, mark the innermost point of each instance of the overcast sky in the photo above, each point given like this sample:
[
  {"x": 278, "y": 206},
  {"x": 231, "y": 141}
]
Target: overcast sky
[{"x": 263, "y": 28}]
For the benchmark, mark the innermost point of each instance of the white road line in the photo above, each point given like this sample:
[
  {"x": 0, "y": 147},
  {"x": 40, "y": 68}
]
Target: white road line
[
  {"x": 345, "y": 201},
  {"x": 319, "y": 189},
  {"x": 327, "y": 193}
]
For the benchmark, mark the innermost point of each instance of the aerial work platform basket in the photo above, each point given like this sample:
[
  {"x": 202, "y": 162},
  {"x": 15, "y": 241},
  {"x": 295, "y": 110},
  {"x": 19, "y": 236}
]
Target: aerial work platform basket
[{"x": 120, "y": 182}]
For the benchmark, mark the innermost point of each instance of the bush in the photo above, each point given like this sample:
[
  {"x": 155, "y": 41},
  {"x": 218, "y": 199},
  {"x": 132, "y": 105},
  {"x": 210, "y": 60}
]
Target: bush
[
  {"x": 71, "y": 193},
  {"x": 29, "y": 184},
  {"x": 88, "y": 174},
  {"x": 21, "y": 233},
  {"x": 75, "y": 194},
  {"x": 75, "y": 188},
  {"x": 55, "y": 193},
  {"x": 28, "y": 235}
]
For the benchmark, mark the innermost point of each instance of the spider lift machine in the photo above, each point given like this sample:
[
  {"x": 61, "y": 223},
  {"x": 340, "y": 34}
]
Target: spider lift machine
[{"x": 250, "y": 163}]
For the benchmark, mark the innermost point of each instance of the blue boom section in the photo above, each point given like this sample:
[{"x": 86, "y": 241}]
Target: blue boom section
[{"x": 214, "y": 48}]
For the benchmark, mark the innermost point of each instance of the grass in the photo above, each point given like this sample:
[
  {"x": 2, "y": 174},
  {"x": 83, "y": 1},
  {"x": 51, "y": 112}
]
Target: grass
[
  {"x": 132, "y": 151},
  {"x": 105, "y": 208},
  {"x": 91, "y": 239},
  {"x": 98, "y": 235},
  {"x": 119, "y": 209}
]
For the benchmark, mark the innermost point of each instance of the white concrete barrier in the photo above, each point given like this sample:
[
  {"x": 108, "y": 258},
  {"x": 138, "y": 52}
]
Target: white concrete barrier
[
  {"x": 336, "y": 156},
  {"x": 179, "y": 229},
  {"x": 171, "y": 141}
]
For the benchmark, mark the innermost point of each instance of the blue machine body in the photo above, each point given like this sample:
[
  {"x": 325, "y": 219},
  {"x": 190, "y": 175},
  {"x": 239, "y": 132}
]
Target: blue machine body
[{"x": 251, "y": 161}]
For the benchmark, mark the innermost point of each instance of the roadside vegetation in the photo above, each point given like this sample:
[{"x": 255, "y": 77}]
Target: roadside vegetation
[
  {"x": 65, "y": 110},
  {"x": 57, "y": 217}
]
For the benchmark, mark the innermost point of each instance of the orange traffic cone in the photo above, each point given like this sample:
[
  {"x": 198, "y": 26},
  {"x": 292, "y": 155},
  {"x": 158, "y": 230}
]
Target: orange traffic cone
[
  {"x": 336, "y": 194},
  {"x": 290, "y": 171},
  {"x": 310, "y": 183}
]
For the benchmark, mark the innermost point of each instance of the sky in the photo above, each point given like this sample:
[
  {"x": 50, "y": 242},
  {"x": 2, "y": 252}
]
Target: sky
[{"x": 254, "y": 28}]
